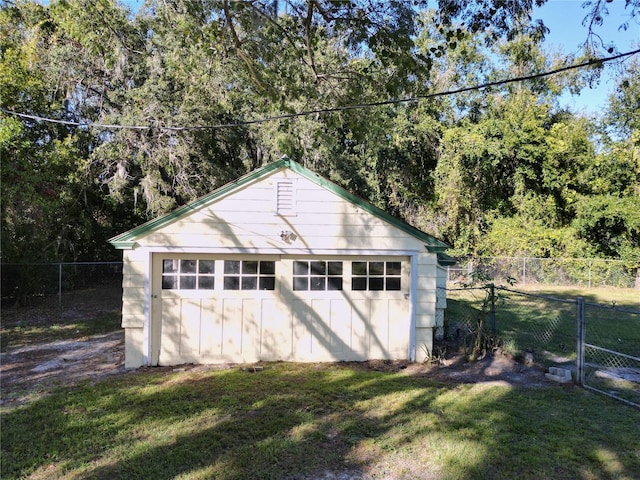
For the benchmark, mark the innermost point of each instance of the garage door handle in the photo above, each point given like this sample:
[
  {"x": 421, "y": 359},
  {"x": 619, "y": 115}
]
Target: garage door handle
[{"x": 154, "y": 296}]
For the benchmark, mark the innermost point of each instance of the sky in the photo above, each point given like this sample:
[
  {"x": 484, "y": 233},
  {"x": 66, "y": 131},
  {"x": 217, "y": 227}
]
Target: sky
[{"x": 564, "y": 19}]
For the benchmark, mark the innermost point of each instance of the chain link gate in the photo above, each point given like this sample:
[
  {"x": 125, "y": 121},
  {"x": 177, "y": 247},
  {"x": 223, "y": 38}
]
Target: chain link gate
[{"x": 611, "y": 339}]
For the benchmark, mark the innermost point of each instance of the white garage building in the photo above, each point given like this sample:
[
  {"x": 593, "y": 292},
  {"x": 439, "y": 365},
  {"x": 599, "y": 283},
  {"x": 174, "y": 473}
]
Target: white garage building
[{"x": 279, "y": 265}]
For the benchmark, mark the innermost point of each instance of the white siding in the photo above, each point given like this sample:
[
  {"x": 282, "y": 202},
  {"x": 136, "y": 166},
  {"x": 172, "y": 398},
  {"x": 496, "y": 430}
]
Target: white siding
[
  {"x": 247, "y": 219},
  {"x": 441, "y": 302}
]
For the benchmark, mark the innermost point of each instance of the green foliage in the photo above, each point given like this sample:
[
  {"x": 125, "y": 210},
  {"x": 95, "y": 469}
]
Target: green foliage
[
  {"x": 521, "y": 236},
  {"x": 611, "y": 224},
  {"x": 469, "y": 168},
  {"x": 623, "y": 115}
]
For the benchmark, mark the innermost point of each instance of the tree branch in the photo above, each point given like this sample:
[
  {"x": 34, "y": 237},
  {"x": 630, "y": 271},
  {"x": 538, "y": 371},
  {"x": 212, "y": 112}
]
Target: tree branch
[{"x": 238, "y": 46}]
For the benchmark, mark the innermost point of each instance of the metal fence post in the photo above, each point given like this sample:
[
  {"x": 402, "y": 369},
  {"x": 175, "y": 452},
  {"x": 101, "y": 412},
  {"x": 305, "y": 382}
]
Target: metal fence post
[
  {"x": 60, "y": 284},
  {"x": 581, "y": 337},
  {"x": 492, "y": 312}
]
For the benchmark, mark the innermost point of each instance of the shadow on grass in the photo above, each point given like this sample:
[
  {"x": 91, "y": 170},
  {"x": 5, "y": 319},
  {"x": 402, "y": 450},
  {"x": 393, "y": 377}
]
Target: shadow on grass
[{"x": 302, "y": 421}]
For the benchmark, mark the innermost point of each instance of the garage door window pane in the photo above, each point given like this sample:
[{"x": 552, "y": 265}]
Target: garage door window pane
[
  {"x": 317, "y": 275},
  {"x": 376, "y": 276},
  {"x": 394, "y": 268},
  {"x": 232, "y": 283},
  {"x": 207, "y": 266},
  {"x": 300, "y": 283},
  {"x": 188, "y": 266},
  {"x": 335, "y": 268},
  {"x": 376, "y": 284},
  {"x": 249, "y": 268},
  {"x": 188, "y": 282},
  {"x": 317, "y": 283},
  {"x": 170, "y": 266},
  {"x": 359, "y": 268},
  {"x": 267, "y": 268},
  {"x": 267, "y": 283},
  {"x": 318, "y": 268},
  {"x": 169, "y": 282},
  {"x": 206, "y": 283},
  {"x": 232, "y": 266},
  {"x": 359, "y": 283},
  {"x": 376, "y": 268},
  {"x": 300, "y": 268},
  {"x": 392, "y": 284},
  {"x": 187, "y": 274},
  {"x": 249, "y": 283}
]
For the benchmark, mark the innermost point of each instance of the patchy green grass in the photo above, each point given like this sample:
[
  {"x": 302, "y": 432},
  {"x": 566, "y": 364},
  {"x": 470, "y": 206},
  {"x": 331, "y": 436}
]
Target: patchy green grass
[
  {"x": 18, "y": 335},
  {"x": 307, "y": 420},
  {"x": 621, "y": 297}
]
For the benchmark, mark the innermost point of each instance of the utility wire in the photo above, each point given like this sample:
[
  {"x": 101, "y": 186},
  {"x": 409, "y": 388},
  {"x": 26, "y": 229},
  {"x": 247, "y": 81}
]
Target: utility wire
[{"x": 287, "y": 116}]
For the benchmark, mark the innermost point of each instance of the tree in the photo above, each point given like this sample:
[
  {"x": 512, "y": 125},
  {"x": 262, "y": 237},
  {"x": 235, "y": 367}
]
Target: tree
[
  {"x": 166, "y": 80},
  {"x": 52, "y": 207}
]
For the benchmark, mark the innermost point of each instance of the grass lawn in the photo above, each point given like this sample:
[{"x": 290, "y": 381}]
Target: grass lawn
[
  {"x": 312, "y": 421},
  {"x": 621, "y": 297}
]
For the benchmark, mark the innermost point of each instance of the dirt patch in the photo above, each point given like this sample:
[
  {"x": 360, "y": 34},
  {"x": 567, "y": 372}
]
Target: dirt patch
[
  {"x": 497, "y": 368},
  {"x": 27, "y": 373}
]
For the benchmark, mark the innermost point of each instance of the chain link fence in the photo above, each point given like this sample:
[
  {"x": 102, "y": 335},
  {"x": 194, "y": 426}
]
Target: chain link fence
[
  {"x": 26, "y": 284},
  {"x": 600, "y": 344},
  {"x": 583, "y": 272},
  {"x": 540, "y": 328}
]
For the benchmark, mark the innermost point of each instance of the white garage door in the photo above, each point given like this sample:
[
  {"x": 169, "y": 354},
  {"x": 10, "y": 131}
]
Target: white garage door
[{"x": 209, "y": 309}]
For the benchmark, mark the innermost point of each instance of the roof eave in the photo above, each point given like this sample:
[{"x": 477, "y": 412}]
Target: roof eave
[
  {"x": 122, "y": 245},
  {"x": 127, "y": 240},
  {"x": 433, "y": 245}
]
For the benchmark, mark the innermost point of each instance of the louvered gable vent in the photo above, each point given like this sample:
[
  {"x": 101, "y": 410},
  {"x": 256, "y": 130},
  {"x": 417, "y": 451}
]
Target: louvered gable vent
[{"x": 286, "y": 197}]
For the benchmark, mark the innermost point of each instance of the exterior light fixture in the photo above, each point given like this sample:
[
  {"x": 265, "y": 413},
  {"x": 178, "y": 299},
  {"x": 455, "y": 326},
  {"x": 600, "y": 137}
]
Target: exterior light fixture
[{"x": 288, "y": 236}]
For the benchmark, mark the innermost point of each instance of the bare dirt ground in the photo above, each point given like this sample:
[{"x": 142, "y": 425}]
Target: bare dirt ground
[
  {"x": 27, "y": 373},
  {"x": 497, "y": 369}
]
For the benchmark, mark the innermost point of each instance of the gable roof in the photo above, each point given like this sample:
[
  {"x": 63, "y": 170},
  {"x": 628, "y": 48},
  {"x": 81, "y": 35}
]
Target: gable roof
[{"x": 127, "y": 239}]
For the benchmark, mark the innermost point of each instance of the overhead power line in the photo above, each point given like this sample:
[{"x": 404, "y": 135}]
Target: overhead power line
[{"x": 287, "y": 116}]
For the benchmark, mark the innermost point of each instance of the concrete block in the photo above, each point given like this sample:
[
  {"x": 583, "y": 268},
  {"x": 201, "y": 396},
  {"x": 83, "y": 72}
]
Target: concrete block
[{"x": 557, "y": 374}]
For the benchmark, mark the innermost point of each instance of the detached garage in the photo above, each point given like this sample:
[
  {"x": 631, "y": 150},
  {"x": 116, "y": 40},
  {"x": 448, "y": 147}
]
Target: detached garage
[{"x": 279, "y": 265}]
